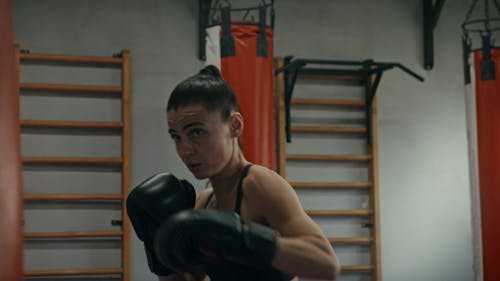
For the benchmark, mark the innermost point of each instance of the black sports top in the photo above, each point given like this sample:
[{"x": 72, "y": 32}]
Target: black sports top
[{"x": 223, "y": 270}]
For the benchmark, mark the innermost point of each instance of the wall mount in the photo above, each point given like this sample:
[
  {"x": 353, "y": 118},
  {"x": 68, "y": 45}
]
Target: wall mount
[{"x": 366, "y": 70}]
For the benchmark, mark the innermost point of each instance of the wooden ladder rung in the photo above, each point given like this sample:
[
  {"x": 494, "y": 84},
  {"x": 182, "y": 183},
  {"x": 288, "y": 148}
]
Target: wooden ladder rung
[
  {"x": 63, "y": 272},
  {"x": 67, "y": 87},
  {"x": 329, "y": 129},
  {"x": 72, "y": 234},
  {"x": 71, "y": 124},
  {"x": 71, "y": 197},
  {"x": 330, "y": 185},
  {"x": 317, "y": 157},
  {"x": 339, "y": 213},
  {"x": 71, "y": 59},
  {"x": 350, "y": 240},
  {"x": 356, "y": 268},
  {"x": 112, "y": 161},
  {"x": 327, "y": 102}
]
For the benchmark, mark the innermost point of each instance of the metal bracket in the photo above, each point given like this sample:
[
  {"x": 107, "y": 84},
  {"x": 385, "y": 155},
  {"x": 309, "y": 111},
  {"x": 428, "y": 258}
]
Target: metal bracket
[
  {"x": 431, "y": 13},
  {"x": 466, "y": 48},
  {"x": 368, "y": 68},
  {"x": 203, "y": 13},
  {"x": 290, "y": 77}
]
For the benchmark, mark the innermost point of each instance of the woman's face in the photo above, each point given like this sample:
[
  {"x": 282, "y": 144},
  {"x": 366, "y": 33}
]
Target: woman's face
[{"x": 203, "y": 140}]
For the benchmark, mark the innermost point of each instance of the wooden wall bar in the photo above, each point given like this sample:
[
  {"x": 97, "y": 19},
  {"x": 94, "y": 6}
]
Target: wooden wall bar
[{"x": 11, "y": 209}]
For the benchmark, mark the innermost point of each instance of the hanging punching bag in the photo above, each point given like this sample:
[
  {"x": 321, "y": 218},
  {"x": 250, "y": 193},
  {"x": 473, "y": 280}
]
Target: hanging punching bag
[
  {"x": 244, "y": 53},
  {"x": 483, "y": 114}
]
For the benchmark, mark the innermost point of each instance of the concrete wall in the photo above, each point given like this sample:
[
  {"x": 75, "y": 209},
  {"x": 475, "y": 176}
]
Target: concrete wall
[{"x": 425, "y": 202}]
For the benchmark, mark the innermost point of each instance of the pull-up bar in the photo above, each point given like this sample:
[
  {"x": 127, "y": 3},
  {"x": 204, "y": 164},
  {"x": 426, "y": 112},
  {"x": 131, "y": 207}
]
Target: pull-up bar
[{"x": 365, "y": 71}]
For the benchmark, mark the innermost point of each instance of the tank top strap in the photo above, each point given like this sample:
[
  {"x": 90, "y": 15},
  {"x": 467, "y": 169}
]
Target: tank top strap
[{"x": 239, "y": 194}]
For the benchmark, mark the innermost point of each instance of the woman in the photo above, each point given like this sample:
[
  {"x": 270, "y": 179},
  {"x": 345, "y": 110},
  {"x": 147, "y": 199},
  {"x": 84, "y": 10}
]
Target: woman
[{"x": 205, "y": 123}]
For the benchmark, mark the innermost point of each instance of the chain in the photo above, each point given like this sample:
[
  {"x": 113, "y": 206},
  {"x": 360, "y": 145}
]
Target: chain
[
  {"x": 471, "y": 9},
  {"x": 497, "y": 5}
]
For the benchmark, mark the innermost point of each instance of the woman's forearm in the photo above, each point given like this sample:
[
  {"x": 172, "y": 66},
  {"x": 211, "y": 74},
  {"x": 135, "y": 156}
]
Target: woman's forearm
[{"x": 306, "y": 257}]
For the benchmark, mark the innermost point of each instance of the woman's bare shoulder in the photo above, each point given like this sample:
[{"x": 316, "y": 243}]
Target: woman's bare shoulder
[
  {"x": 263, "y": 180},
  {"x": 203, "y": 197}
]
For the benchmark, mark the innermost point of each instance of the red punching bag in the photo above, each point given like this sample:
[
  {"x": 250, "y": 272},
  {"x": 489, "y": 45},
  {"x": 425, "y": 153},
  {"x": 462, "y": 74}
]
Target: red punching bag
[
  {"x": 244, "y": 53},
  {"x": 483, "y": 103}
]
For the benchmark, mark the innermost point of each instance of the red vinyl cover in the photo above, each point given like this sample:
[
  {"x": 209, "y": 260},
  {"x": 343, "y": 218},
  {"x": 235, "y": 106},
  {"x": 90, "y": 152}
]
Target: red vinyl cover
[
  {"x": 251, "y": 78},
  {"x": 488, "y": 136}
]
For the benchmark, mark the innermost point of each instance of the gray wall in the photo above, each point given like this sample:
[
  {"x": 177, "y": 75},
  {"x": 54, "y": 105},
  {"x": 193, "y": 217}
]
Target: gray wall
[{"x": 425, "y": 202}]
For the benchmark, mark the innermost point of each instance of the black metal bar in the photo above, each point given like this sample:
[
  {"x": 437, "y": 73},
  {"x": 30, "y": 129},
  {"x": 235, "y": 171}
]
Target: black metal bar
[
  {"x": 431, "y": 13},
  {"x": 371, "y": 91},
  {"x": 438, "y": 7},
  {"x": 465, "y": 56},
  {"x": 374, "y": 67},
  {"x": 409, "y": 71},
  {"x": 227, "y": 48},
  {"x": 300, "y": 63},
  {"x": 203, "y": 11},
  {"x": 303, "y": 62},
  {"x": 487, "y": 65},
  {"x": 292, "y": 68},
  {"x": 374, "y": 86},
  {"x": 339, "y": 72},
  {"x": 261, "y": 37},
  {"x": 289, "y": 85},
  {"x": 368, "y": 108},
  {"x": 359, "y": 72},
  {"x": 247, "y": 9},
  {"x": 428, "y": 35},
  {"x": 337, "y": 62},
  {"x": 273, "y": 15}
]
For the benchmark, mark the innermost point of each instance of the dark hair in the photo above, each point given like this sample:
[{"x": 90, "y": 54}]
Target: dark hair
[{"x": 206, "y": 88}]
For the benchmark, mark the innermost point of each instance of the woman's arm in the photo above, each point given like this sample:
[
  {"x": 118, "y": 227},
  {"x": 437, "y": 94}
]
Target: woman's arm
[
  {"x": 302, "y": 249},
  {"x": 306, "y": 256}
]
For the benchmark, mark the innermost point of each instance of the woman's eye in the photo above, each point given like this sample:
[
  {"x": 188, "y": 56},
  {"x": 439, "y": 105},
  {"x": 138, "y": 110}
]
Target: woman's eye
[
  {"x": 197, "y": 132},
  {"x": 176, "y": 138}
]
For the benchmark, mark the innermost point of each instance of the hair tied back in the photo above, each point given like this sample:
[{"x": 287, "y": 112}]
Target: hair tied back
[{"x": 210, "y": 70}]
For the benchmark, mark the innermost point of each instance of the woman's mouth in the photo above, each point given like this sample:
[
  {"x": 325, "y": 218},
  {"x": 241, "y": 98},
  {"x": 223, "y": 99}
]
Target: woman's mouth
[{"x": 193, "y": 166}]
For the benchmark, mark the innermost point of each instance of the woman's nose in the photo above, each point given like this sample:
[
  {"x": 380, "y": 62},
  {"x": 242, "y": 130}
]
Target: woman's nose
[{"x": 185, "y": 148}]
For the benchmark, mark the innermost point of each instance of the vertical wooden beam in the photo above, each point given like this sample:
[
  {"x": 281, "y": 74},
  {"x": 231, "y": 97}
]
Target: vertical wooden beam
[
  {"x": 126, "y": 162},
  {"x": 374, "y": 193},
  {"x": 279, "y": 86},
  {"x": 11, "y": 208}
]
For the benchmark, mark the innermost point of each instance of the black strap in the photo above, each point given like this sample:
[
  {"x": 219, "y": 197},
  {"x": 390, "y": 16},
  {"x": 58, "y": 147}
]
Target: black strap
[
  {"x": 261, "y": 37},
  {"x": 239, "y": 194},
  {"x": 227, "y": 39}
]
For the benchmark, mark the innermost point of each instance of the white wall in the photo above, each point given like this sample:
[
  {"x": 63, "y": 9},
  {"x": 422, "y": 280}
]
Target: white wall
[{"x": 425, "y": 204}]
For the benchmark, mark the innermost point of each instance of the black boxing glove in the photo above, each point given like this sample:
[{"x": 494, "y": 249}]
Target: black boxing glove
[
  {"x": 191, "y": 236},
  {"x": 153, "y": 201}
]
